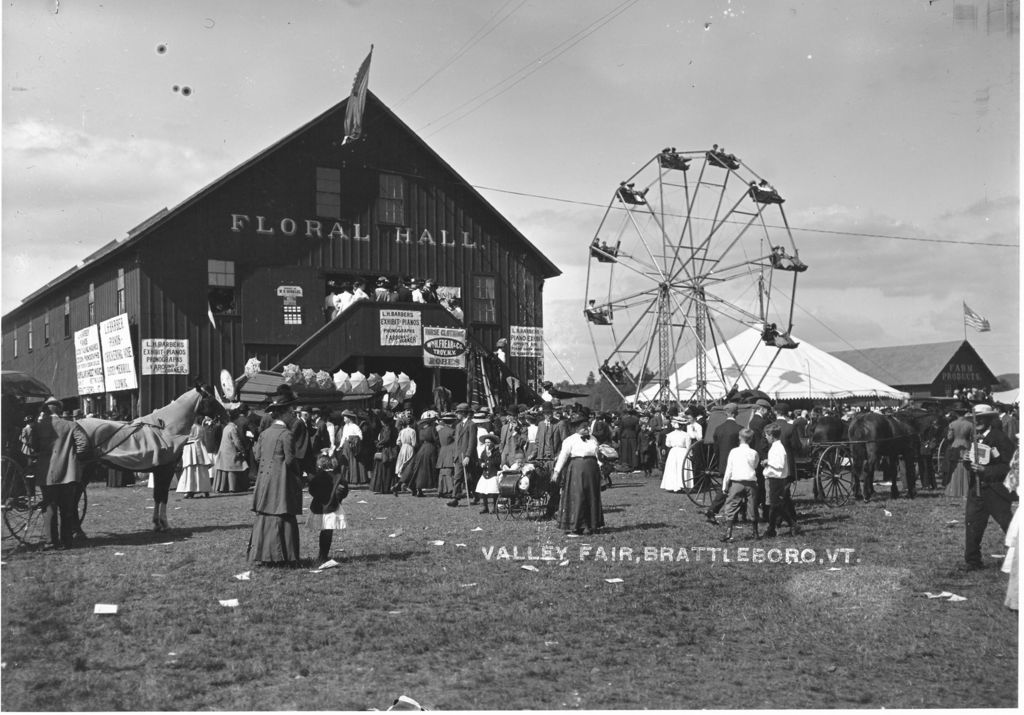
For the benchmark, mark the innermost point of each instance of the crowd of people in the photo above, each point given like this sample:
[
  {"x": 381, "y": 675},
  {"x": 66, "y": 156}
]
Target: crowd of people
[{"x": 341, "y": 295}]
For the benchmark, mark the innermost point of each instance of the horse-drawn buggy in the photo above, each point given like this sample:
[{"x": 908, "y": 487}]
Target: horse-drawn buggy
[{"x": 838, "y": 460}]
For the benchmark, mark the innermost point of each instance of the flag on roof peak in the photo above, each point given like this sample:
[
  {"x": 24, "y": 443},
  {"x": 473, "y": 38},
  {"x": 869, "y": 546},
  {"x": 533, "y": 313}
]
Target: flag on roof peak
[
  {"x": 357, "y": 101},
  {"x": 975, "y": 321}
]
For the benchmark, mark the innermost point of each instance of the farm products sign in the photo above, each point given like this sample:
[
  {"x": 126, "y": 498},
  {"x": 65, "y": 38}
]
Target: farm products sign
[
  {"x": 959, "y": 374},
  {"x": 526, "y": 341},
  {"x": 118, "y": 356},
  {"x": 400, "y": 327},
  {"x": 164, "y": 357},
  {"x": 444, "y": 347},
  {"x": 89, "y": 360}
]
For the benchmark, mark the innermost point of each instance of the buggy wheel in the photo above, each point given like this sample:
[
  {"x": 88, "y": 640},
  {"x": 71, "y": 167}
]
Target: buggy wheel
[
  {"x": 82, "y": 504},
  {"x": 939, "y": 460},
  {"x": 702, "y": 460},
  {"x": 834, "y": 475},
  {"x": 22, "y": 505}
]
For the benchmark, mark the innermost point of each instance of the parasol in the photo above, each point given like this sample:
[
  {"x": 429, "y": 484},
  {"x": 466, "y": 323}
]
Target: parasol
[
  {"x": 374, "y": 382},
  {"x": 342, "y": 382},
  {"x": 390, "y": 383},
  {"x": 358, "y": 382},
  {"x": 411, "y": 389}
]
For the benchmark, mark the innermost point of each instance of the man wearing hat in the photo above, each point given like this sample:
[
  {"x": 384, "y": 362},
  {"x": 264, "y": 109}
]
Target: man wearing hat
[
  {"x": 758, "y": 421},
  {"x": 403, "y": 293},
  {"x": 465, "y": 454},
  {"x": 499, "y": 350},
  {"x": 61, "y": 444},
  {"x": 417, "y": 290},
  {"x": 726, "y": 438},
  {"x": 987, "y": 497},
  {"x": 329, "y": 301},
  {"x": 382, "y": 293}
]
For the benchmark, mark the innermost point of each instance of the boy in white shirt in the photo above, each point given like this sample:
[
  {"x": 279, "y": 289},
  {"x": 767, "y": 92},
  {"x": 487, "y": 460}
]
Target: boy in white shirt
[
  {"x": 740, "y": 482},
  {"x": 776, "y": 471}
]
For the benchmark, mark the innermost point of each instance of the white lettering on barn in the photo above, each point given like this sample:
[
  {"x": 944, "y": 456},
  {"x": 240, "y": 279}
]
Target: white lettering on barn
[{"x": 313, "y": 228}]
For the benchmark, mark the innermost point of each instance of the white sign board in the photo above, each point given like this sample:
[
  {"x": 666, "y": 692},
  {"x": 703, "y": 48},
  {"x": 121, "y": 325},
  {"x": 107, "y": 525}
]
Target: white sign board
[
  {"x": 526, "y": 341},
  {"x": 289, "y": 291},
  {"x": 89, "y": 360},
  {"x": 163, "y": 356},
  {"x": 444, "y": 347},
  {"x": 400, "y": 327},
  {"x": 118, "y": 356}
]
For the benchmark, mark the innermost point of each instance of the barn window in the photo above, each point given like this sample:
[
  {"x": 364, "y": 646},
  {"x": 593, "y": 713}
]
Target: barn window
[
  {"x": 328, "y": 192},
  {"x": 92, "y": 303},
  {"x": 30, "y": 336},
  {"x": 67, "y": 316},
  {"x": 221, "y": 284},
  {"x": 46, "y": 328},
  {"x": 120, "y": 291},
  {"x": 485, "y": 300},
  {"x": 391, "y": 202}
]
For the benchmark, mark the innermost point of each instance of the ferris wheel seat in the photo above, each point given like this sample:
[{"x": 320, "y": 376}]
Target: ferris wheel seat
[
  {"x": 723, "y": 160},
  {"x": 765, "y": 196},
  {"x": 669, "y": 159},
  {"x": 628, "y": 195},
  {"x": 598, "y": 316},
  {"x": 604, "y": 253},
  {"x": 784, "y": 262}
]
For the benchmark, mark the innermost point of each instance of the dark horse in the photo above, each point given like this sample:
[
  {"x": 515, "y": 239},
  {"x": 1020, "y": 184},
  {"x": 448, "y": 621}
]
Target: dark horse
[
  {"x": 930, "y": 425},
  {"x": 152, "y": 443},
  {"x": 873, "y": 436}
]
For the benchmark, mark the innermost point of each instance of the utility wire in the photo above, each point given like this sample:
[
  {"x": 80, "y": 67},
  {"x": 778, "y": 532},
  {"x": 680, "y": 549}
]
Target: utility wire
[
  {"x": 469, "y": 44},
  {"x": 531, "y": 67},
  {"x": 793, "y": 228}
]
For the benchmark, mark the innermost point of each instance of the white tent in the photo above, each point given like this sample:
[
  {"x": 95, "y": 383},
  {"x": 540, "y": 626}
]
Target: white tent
[
  {"x": 804, "y": 372},
  {"x": 1009, "y": 397}
]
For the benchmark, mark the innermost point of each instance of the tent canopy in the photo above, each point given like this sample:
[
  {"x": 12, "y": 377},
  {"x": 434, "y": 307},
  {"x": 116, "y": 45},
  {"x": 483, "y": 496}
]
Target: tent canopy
[
  {"x": 802, "y": 373},
  {"x": 1007, "y": 397}
]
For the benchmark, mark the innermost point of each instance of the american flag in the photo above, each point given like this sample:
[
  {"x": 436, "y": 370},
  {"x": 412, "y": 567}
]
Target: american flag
[
  {"x": 975, "y": 321},
  {"x": 357, "y": 101}
]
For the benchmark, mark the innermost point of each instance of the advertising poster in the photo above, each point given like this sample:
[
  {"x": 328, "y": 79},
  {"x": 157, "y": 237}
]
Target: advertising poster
[
  {"x": 118, "y": 356},
  {"x": 444, "y": 347}
]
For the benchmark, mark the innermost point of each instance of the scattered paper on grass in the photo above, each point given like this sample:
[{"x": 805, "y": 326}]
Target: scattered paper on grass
[
  {"x": 999, "y": 556},
  {"x": 944, "y": 594},
  {"x": 467, "y": 585},
  {"x": 229, "y": 602},
  {"x": 394, "y": 613},
  {"x": 461, "y": 546},
  {"x": 391, "y": 536},
  {"x": 329, "y": 564},
  {"x": 172, "y": 653},
  {"x": 476, "y": 529},
  {"x": 614, "y": 580},
  {"x": 528, "y": 567},
  {"x": 118, "y": 553},
  {"x": 834, "y": 568},
  {"x": 886, "y": 512},
  {"x": 105, "y": 608},
  {"x": 564, "y": 563},
  {"x": 149, "y": 507},
  {"x": 572, "y": 536},
  {"x": 438, "y": 542},
  {"x": 550, "y": 643},
  {"x": 362, "y": 501},
  {"x": 380, "y": 518},
  {"x": 244, "y": 576},
  {"x": 165, "y": 543},
  {"x": 176, "y": 508},
  {"x": 954, "y": 597}
]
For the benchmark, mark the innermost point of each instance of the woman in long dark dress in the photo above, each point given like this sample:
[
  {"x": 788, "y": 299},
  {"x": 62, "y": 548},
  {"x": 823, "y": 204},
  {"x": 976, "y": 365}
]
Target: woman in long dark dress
[
  {"x": 277, "y": 500},
  {"x": 578, "y": 470},
  {"x": 424, "y": 461},
  {"x": 387, "y": 449}
]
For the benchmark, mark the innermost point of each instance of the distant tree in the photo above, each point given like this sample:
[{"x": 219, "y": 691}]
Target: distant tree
[{"x": 590, "y": 379}]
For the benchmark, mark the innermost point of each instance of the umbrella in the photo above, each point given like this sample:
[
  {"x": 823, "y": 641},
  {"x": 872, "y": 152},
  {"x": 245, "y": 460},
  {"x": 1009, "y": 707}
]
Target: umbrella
[
  {"x": 411, "y": 389},
  {"x": 341, "y": 381},
  {"x": 374, "y": 382},
  {"x": 21, "y": 384},
  {"x": 390, "y": 383},
  {"x": 403, "y": 381},
  {"x": 358, "y": 382}
]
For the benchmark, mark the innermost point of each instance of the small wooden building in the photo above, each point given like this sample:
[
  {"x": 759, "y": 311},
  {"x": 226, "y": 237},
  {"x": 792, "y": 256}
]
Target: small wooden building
[
  {"x": 241, "y": 269},
  {"x": 926, "y": 370}
]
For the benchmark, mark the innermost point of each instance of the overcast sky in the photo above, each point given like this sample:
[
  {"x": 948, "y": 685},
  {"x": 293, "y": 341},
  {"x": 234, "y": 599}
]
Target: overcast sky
[{"x": 879, "y": 122}]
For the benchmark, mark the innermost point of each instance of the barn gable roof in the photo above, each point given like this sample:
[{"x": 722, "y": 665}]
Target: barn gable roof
[
  {"x": 908, "y": 364},
  {"x": 151, "y": 224}
]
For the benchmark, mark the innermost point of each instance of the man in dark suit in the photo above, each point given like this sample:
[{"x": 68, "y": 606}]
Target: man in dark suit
[
  {"x": 758, "y": 421},
  {"x": 466, "y": 456},
  {"x": 726, "y": 437},
  {"x": 987, "y": 496},
  {"x": 62, "y": 442},
  {"x": 790, "y": 440}
]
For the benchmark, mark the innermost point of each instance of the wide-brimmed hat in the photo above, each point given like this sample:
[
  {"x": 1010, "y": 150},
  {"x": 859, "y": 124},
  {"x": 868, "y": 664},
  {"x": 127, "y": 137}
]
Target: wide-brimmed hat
[
  {"x": 501, "y": 341},
  {"x": 763, "y": 403},
  {"x": 349, "y": 413},
  {"x": 51, "y": 400},
  {"x": 731, "y": 408},
  {"x": 488, "y": 435},
  {"x": 448, "y": 417},
  {"x": 462, "y": 407},
  {"x": 677, "y": 421},
  {"x": 983, "y": 410},
  {"x": 428, "y": 415},
  {"x": 383, "y": 281}
]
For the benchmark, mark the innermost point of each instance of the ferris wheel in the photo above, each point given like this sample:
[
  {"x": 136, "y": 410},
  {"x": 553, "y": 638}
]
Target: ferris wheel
[{"x": 693, "y": 247}]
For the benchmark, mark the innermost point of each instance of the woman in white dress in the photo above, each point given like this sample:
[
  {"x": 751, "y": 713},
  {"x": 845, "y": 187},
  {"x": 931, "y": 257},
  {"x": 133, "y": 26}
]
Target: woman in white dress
[
  {"x": 677, "y": 442},
  {"x": 696, "y": 434},
  {"x": 406, "y": 449},
  {"x": 196, "y": 463}
]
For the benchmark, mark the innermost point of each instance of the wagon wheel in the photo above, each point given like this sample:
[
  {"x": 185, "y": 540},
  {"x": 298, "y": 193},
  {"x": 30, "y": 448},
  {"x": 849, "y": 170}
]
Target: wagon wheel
[
  {"x": 941, "y": 478},
  {"x": 503, "y": 509},
  {"x": 22, "y": 504},
  {"x": 834, "y": 475},
  {"x": 707, "y": 479},
  {"x": 82, "y": 505}
]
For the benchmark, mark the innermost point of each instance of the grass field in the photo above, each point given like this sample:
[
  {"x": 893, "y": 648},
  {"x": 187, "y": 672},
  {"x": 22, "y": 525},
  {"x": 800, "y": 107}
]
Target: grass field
[{"x": 455, "y": 629}]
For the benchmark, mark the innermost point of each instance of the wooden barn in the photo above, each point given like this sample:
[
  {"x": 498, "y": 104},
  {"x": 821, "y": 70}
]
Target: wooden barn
[
  {"x": 925, "y": 370},
  {"x": 241, "y": 270}
]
